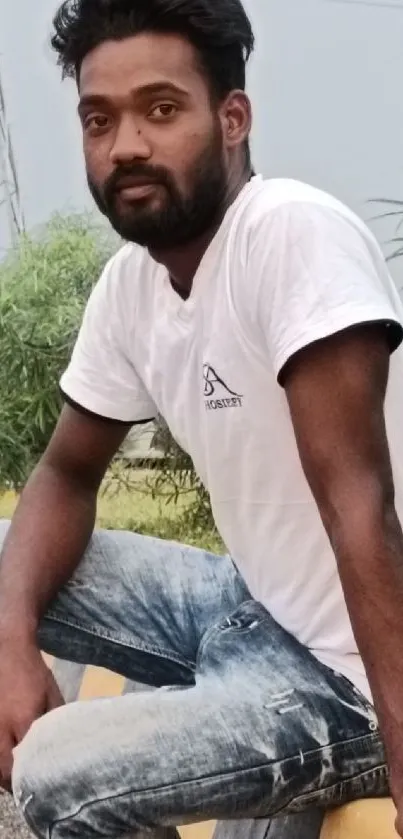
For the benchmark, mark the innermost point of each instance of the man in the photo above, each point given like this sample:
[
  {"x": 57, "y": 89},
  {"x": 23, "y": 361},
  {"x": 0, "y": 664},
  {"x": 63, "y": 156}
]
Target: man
[{"x": 259, "y": 319}]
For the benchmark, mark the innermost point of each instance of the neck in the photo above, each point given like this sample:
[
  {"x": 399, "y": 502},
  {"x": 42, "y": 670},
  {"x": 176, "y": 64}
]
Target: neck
[{"x": 182, "y": 263}]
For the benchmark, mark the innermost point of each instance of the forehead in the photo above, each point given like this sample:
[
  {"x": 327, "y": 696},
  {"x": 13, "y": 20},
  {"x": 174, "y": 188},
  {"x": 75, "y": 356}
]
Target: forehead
[{"x": 126, "y": 67}]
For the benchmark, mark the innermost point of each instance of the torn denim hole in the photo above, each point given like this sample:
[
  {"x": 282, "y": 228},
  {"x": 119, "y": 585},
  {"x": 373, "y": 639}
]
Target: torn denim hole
[
  {"x": 24, "y": 804},
  {"x": 291, "y": 709},
  {"x": 22, "y": 799},
  {"x": 239, "y": 623},
  {"x": 283, "y": 703}
]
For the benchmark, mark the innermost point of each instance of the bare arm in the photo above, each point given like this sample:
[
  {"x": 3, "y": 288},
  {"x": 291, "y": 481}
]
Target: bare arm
[
  {"x": 336, "y": 391},
  {"x": 54, "y": 519}
]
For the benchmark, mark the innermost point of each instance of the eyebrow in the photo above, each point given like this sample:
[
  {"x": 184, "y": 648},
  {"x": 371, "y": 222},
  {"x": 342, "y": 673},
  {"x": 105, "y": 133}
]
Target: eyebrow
[{"x": 96, "y": 99}]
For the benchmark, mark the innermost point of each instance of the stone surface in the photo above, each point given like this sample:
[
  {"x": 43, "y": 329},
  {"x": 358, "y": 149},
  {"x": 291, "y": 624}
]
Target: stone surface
[{"x": 10, "y": 823}]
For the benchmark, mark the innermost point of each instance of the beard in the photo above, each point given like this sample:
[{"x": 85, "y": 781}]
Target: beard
[{"x": 177, "y": 219}]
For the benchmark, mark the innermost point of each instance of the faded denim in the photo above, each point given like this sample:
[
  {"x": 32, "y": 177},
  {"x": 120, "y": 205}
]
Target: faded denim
[{"x": 246, "y": 724}]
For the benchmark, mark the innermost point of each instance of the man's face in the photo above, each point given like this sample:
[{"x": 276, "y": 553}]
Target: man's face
[{"x": 154, "y": 147}]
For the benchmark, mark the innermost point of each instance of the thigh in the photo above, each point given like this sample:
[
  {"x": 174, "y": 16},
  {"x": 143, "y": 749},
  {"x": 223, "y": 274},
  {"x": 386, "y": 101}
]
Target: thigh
[
  {"x": 140, "y": 606},
  {"x": 265, "y": 730},
  {"x": 314, "y": 730}
]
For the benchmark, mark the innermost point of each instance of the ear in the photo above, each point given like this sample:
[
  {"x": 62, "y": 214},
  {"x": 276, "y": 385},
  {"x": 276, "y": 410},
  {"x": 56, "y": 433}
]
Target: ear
[{"x": 236, "y": 116}]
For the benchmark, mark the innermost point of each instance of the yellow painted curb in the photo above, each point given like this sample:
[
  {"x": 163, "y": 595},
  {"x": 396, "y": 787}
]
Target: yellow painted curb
[
  {"x": 99, "y": 683},
  {"x": 371, "y": 819}
]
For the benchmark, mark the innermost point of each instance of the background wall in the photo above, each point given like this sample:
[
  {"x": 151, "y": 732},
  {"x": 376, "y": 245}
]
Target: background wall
[{"x": 325, "y": 83}]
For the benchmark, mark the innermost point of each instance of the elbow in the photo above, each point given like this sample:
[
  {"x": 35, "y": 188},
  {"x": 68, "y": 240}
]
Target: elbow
[
  {"x": 68, "y": 474},
  {"x": 357, "y": 518}
]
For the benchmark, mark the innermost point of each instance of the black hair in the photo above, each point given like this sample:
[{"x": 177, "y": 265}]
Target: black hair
[{"x": 220, "y": 31}]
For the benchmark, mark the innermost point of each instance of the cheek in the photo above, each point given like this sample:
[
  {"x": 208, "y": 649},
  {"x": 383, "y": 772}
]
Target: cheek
[
  {"x": 96, "y": 156},
  {"x": 184, "y": 141},
  {"x": 182, "y": 156}
]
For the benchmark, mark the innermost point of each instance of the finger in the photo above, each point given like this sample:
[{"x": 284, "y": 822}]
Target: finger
[
  {"x": 6, "y": 787},
  {"x": 6, "y": 762}
]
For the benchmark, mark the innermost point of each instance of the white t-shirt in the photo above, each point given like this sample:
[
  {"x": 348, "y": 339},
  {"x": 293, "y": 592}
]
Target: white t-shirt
[{"x": 289, "y": 265}]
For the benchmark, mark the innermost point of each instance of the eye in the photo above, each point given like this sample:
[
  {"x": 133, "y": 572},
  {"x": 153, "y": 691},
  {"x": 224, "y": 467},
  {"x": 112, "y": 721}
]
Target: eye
[
  {"x": 165, "y": 110},
  {"x": 96, "y": 123}
]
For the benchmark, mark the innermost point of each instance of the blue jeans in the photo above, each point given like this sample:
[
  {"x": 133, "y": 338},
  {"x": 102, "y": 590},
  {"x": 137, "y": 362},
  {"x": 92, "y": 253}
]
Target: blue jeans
[{"x": 246, "y": 723}]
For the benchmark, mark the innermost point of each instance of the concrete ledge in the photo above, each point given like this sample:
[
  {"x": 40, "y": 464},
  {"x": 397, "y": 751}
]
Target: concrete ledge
[{"x": 362, "y": 820}]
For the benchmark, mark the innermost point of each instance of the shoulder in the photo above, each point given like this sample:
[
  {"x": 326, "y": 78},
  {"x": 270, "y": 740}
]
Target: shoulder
[
  {"x": 307, "y": 263},
  {"x": 285, "y": 206}
]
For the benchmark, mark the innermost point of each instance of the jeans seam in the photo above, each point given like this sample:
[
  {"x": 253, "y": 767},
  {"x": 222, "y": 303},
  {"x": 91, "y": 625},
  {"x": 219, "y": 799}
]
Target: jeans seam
[
  {"x": 308, "y": 797},
  {"x": 339, "y": 745},
  {"x": 106, "y": 636},
  {"x": 225, "y": 776}
]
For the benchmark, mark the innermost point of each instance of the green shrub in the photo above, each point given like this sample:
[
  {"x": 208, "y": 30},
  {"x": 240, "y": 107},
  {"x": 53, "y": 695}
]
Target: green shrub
[
  {"x": 176, "y": 479},
  {"x": 44, "y": 285}
]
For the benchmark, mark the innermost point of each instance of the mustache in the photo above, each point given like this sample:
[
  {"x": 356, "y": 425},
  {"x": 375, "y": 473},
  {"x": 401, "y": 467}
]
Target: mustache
[{"x": 153, "y": 174}]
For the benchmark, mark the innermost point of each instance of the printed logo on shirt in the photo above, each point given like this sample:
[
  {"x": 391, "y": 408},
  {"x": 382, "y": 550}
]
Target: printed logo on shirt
[{"x": 218, "y": 395}]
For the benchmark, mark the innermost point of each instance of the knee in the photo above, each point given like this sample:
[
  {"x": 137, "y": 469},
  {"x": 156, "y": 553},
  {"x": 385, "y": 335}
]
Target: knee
[{"x": 39, "y": 782}]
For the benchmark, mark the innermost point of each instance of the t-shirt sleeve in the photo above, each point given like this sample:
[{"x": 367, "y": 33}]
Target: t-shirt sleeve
[
  {"x": 316, "y": 272},
  {"x": 101, "y": 377}
]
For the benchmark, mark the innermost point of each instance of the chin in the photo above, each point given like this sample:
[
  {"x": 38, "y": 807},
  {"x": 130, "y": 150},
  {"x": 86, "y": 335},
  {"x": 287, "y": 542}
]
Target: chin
[
  {"x": 136, "y": 226},
  {"x": 134, "y": 233}
]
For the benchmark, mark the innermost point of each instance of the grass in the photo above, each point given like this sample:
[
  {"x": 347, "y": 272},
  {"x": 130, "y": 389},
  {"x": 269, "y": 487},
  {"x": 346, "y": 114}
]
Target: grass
[{"x": 127, "y": 506}]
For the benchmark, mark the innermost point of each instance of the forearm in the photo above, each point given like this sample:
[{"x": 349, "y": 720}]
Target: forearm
[
  {"x": 49, "y": 534},
  {"x": 370, "y": 556}
]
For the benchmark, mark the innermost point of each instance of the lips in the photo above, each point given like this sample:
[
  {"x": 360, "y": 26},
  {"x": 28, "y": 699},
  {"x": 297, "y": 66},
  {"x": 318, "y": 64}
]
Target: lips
[
  {"x": 132, "y": 188},
  {"x": 130, "y": 181}
]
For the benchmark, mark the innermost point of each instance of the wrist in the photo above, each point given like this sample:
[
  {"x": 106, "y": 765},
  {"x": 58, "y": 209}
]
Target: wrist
[{"x": 15, "y": 631}]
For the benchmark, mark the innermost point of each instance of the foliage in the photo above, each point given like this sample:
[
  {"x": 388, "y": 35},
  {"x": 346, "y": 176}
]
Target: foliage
[
  {"x": 44, "y": 285},
  {"x": 172, "y": 482},
  {"x": 176, "y": 479},
  {"x": 395, "y": 212},
  {"x": 120, "y": 509}
]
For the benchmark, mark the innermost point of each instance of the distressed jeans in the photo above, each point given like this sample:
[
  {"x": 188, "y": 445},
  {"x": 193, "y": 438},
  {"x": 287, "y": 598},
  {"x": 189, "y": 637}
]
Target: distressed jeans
[{"x": 245, "y": 723}]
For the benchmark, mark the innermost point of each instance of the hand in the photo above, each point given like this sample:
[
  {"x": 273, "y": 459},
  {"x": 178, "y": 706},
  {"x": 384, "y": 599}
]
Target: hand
[
  {"x": 27, "y": 692},
  {"x": 391, "y": 728},
  {"x": 396, "y": 789}
]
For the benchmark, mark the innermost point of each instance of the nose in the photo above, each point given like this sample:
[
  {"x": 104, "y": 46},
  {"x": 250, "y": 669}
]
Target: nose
[{"x": 130, "y": 143}]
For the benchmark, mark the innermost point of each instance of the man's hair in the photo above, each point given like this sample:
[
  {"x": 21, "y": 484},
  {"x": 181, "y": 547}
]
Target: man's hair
[{"x": 220, "y": 31}]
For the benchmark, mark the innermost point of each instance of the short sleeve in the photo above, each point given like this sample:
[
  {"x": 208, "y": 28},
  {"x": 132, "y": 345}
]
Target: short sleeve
[
  {"x": 317, "y": 272},
  {"x": 101, "y": 377}
]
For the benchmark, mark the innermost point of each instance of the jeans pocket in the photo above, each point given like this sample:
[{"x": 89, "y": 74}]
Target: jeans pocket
[{"x": 350, "y": 695}]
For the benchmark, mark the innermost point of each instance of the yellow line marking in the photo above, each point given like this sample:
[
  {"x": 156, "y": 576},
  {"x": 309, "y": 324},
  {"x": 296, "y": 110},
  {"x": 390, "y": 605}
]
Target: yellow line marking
[
  {"x": 198, "y": 831},
  {"x": 98, "y": 683}
]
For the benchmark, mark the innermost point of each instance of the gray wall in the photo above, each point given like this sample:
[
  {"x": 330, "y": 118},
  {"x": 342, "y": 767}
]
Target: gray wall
[{"x": 325, "y": 81}]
